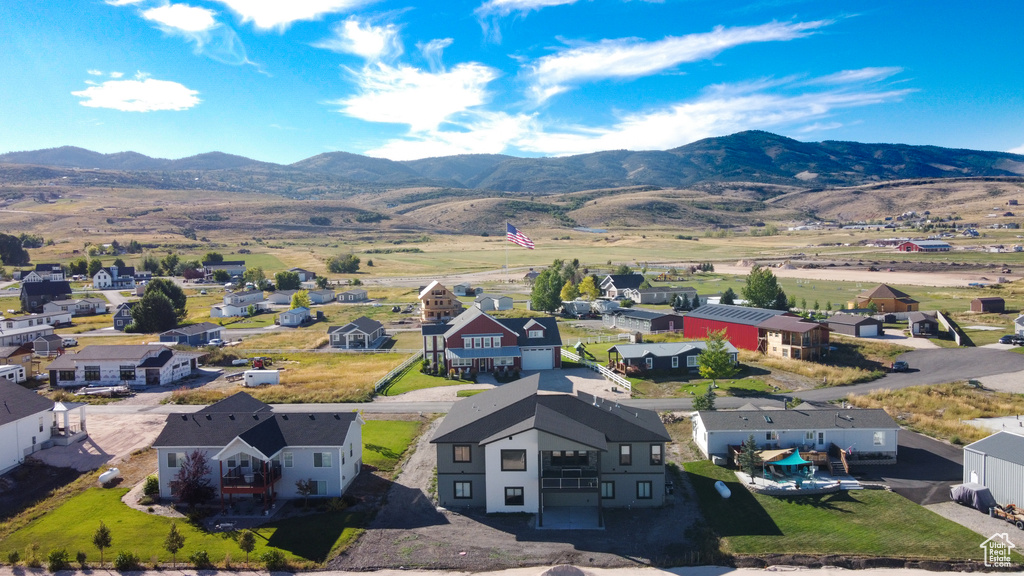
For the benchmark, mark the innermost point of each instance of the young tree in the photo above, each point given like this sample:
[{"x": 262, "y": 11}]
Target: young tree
[
  {"x": 714, "y": 361},
  {"x": 304, "y": 488},
  {"x": 705, "y": 401},
  {"x": 247, "y": 542},
  {"x": 221, "y": 276},
  {"x": 728, "y": 297},
  {"x": 154, "y": 313},
  {"x": 803, "y": 304},
  {"x": 761, "y": 289},
  {"x": 287, "y": 281},
  {"x": 175, "y": 541},
  {"x": 828, "y": 306},
  {"x": 569, "y": 291},
  {"x": 816, "y": 306},
  {"x": 547, "y": 289},
  {"x": 250, "y": 310},
  {"x": 791, "y": 303},
  {"x": 101, "y": 539},
  {"x": 191, "y": 484},
  {"x": 300, "y": 299},
  {"x": 588, "y": 289},
  {"x": 749, "y": 458},
  {"x": 94, "y": 266},
  {"x": 682, "y": 302},
  {"x": 322, "y": 282}
]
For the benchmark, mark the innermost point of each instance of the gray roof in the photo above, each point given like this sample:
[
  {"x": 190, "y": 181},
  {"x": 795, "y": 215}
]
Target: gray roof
[
  {"x": 101, "y": 352},
  {"x": 668, "y": 290},
  {"x": 624, "y": 281},
  {"x": 483, "y": 297},
  {"x": 193, "y": 329},
  {"x": 734, "y": 314},
  {"x": 17, "y": 402},
  {"x": 852, "y": 320},
  {"x": 920, "y": 317},
  {"x": 759, "y": 420},
  {"x": 8, "y": 351},
  {"x": 47, "y": 287},
  {"x": 1002, "y": 445},
  {"x": 256, "y": 424},
  {"x": 516, "y": 407},
  {"x": 640, "y": 313},
  {"x": 790, "y": 324},
  {"x": 664, "y": 349},
  {"x": 362, "y": 324}
]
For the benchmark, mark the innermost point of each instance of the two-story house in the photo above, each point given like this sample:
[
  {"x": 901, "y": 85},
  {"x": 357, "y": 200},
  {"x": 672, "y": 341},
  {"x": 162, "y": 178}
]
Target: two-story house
[
  {"x": 114, "y": 278},
  {"x": 53, "y": 272},
  {"x": 476, "y": 341},
  {"x": 122, "y": 316},
  {"x": 35, "y": 295},
  {"x": 254, "y": 452},
  {"x": 25, "y": 424},
  {"x": 510, "y": 449},
  {"x": 614, "y": 286},
  {"x": 237, "y": 304},
  {"x": 121, "y": 365},
  {"x": 793, "y": 337},
  {"x": 232, "y": 267},
  {"x": 437, "y": 303}
]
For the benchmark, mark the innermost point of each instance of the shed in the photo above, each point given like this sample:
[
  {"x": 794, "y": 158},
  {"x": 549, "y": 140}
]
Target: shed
[
  {"x": 993, "y": 304},
  {"x": 997, "y": 462},
  {"x": 922, "y": 324},
  {"x": 853, "y": 325}
]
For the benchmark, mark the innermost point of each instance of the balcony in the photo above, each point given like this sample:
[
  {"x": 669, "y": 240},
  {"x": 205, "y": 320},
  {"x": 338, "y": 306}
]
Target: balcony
[
  {"x": 569, "y": 479},
  {"x": 239, "y": 481}
]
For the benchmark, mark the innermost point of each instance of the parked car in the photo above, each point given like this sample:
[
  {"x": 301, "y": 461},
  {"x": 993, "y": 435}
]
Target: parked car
[
  {"x": 900, "y": 366},
  {"x": 203, "y": 292},
  {"x": 1008, "y": 339},
  {"x": 215, "y": 342},
  {"x": 68, "y": 341}
]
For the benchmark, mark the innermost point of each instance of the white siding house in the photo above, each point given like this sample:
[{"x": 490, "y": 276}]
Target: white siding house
[
  {"x": 121, "y": 365},
  {"x": 25, "y": 420}
]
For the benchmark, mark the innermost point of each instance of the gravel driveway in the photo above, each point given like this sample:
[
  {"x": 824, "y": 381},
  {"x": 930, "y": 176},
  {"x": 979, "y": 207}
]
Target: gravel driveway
[{"x": 409, "y": 531}]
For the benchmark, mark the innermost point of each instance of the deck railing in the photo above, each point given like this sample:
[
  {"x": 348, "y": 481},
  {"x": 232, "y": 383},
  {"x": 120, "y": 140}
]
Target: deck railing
[{"x": 597, "y": 368}]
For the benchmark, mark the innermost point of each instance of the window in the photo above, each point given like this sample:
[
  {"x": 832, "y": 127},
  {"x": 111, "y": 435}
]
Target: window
[
  {"x": 643, "y": 490},
  {"x": 879, "y": 438},
  {"x": 650, "y": 363},
  {"x": 809, "y": 436},
  {"x": 321, "y": 459},
  {"x": 625, "y": 455},
  {"x": 40, "y": 425},
  {"x": 462, "y": 453},
  {"x": 286, "y": 457},
  {"x": 66, "y": 375},
  {"x": 655, "y": 454},
  {"x": 513, "y": 460},
  {"x": 487, "y": 341},
  {"x": 92, "y": 373},
  {"x": 174, "y": 459},
  {"x": 821, "y": 437},
  {"x": 691, "y": 361},
  {"x": 243, "y": 460},
  {"x": 771, "y": 435},
  {"x": 232, "y": 462},
  {"x": 127, "y": 373},
  {"x": 496, "y": 341},
  {"x": 675, "y": 361},
  {"x": 463, "y": 490},
  {"x": 569, "y": 458},
  {"x": 350, "y": 452},
  {"x": 607, "y": 490},
  {"x": 514, "y": 496},
  {"x": 536, "y": 334}
]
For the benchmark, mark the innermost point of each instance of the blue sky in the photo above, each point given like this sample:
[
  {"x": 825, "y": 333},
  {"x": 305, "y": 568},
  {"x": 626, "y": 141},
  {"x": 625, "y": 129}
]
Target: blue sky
[{"x": 282, "y": 80}]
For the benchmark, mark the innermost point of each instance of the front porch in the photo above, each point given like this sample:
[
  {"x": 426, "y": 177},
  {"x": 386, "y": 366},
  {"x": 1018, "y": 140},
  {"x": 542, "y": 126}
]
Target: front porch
[{"x": 64, "y": 430}]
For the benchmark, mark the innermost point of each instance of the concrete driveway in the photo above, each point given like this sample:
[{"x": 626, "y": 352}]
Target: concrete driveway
[{"x": 924, "y": 469}]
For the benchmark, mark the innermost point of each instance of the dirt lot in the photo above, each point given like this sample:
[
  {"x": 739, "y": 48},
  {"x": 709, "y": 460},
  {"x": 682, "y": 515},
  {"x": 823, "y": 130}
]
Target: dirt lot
[
  {"x": 409, "y": 531},
  {"x": 112, "y": 438},
  {"x": 860, "y": 274}
]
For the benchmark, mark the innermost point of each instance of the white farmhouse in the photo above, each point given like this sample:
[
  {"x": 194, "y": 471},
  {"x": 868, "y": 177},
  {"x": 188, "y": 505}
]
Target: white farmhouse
[
  {"x": 254, "y": 452},
  {"x": 237, "y": 304}
]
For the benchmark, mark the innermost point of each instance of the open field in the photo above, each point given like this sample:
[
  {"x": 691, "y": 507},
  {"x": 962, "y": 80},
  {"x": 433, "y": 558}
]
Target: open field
[
  {"x": 939, "y": 411},
  {"x": 385, "y": 442},
  {"x": 852, "y": 523}
]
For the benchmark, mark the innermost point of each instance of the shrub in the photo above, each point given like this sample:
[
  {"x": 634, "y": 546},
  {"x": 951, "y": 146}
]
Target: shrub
[
  {"x": 13, "y": 557},
  {"x": 58, "y": 560},
  {"x": 200, "y": 559},
  {"x": 273, "y": 560},
  {"x": 151, "y": 487},
  {"x": 126, "y": 561},
  {"x": 32, "y": 557},
  {"x": 81, "y": 558}
]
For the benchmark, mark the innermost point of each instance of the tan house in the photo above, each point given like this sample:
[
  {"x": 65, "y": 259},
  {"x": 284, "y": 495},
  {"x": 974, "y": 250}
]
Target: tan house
[
  {"x": 794, "y": 337},
  {"x": 17, "y": 355},
  {"x": 438, "y": 304},
  {"x": 886, "y": 299}
]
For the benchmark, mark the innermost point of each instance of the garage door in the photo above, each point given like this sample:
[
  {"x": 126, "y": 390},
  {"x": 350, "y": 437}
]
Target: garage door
[
  {"x": 538, "y": 359},
  {"x": 869, "y": 330}
]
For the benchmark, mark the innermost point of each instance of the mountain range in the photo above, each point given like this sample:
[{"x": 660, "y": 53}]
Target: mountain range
[{"x": 751, "y": 156}]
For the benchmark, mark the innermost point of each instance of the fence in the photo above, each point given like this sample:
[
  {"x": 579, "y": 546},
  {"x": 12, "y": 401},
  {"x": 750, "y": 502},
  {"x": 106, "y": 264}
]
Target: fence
[
  {"x": 327, "y": 350},
  {"x": 397, "y": 371},
  {"x": 596, "y": 339},
  {"x": 597, "y": 368},
  {"x": 954, "y": 329}
]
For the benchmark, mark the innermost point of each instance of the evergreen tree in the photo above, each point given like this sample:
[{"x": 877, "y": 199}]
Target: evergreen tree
[
  {"x": 175, "y": 541},
  {"x": 154, "y": 313},
  {"x": 781, "y": 302},
  {"x": 714, "y": 361},
  {"x": 705, "y": 401},
  {"x": 728, "y": 297},
  {"x": 749, "y": 459}
]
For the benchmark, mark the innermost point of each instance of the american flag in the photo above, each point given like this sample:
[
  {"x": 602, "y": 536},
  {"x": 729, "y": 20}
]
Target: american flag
[{"x": 516, "y": 237}]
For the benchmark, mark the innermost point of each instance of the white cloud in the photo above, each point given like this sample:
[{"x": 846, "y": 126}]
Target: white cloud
[
  {"x": 361, "y": 38},
  {"x": 632, "y": 58},
  {"x": 116, "y": 74},
  {"x": 423, "y": 100},
  {"x": 122, "y": 2},
  {"x": 506, "y": 7},
  {"x": 1017, "y": 150},
  {"x": 433, "y": 50},
  {"x": 281, "y": 14},
  {"x": 146, "y": 95},
  {"x": 858, "y": 76},
  {"x": 182, "y": 17},
  {"x": 479, "y": 133},
  {"x": 819, "y": 127},
  {"x": 94, "y": 72}
]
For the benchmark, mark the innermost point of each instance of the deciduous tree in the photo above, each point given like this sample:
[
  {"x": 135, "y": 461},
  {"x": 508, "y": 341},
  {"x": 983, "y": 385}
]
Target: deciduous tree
[
  {"x": 12, "y": 253},
  {"x": 94, "y": 266},
  {"x": 173, "y": 292},
  {"x": 569, "y": 291},
  {"x": 762, "y": 288},
  {"x": 174, "y": 541},
  {"x": 191, "y": 484},
  {"x": 344, "y": 264},
  {"x": 247, "y": 542},
  {"x": 154, "y": 313},
  {"x": 714, "y": 361},
  {"x": 300, "y": 299},
  {"x": 102, "y": 540},
  {"x": 287, "y": 281},
  {"x": 588, "y": 289},
  {"x": 547, "y": 288}
]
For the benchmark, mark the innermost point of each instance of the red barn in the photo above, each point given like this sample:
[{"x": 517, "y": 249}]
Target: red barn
[
  {"x": 739, "y": 322},
  {"x": 923, "y": 246}
]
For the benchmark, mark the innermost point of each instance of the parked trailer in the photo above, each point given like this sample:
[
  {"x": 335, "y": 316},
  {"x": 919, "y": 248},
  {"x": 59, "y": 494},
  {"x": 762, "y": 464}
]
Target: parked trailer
[
  {"x": 13, "y": 373},
  {"x": 1010, "y": 513},
  {"x": 254, "y": 378}
]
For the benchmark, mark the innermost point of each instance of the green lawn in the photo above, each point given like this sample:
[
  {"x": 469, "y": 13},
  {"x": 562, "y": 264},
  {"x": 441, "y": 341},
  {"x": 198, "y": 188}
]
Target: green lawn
[
  {"x": 743, "y": 387},
  {"x": 306, "y": 539},
  {"x": 859, "y": 522},
  {"x": 468, "y": 393},
  {"x": 385, "y": 441},
  {"x": 413, "y": 379}
]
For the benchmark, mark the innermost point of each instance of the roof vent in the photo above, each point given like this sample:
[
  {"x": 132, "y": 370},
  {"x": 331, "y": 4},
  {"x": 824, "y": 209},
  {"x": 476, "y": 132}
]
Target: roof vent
[
  {"x": 255, "y": 416},
  {"x": 337, "y": 416},
  {"x": 231, "y": 416},
  {"x": 184, "y": 417},
  {"x": 311, "y": 417},
  {"x": 208, "y": 417},
  {"x": 284, "y": 416}
]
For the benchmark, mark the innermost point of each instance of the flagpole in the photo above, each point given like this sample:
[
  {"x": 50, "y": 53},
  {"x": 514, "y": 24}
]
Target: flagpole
[{"x": 506, "y": 253}]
